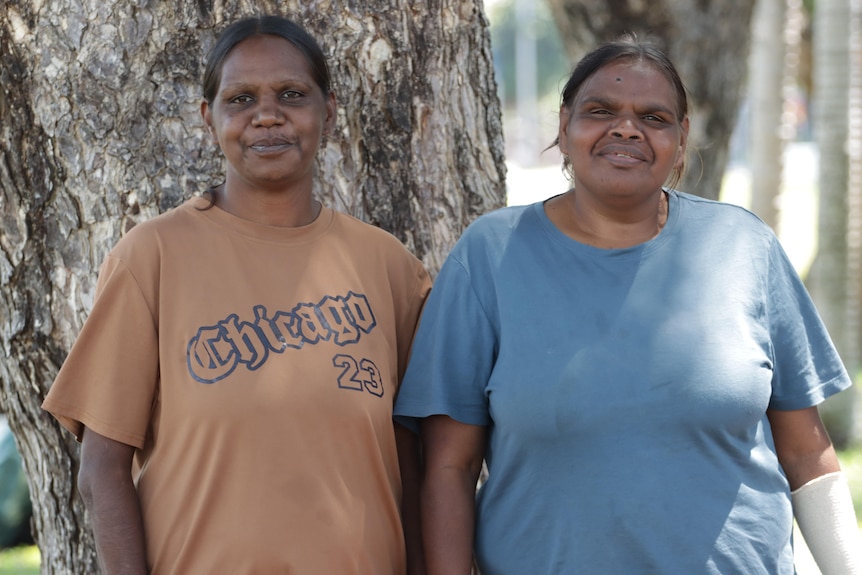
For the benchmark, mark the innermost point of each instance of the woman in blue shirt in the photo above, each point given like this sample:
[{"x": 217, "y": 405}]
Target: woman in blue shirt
[{"x": 638, "y": 367}]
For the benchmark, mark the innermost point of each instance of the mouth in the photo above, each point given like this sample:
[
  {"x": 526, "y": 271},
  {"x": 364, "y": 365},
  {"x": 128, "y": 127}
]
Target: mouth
[
  {"x": 624, "y": 154},
  {"x": 270, "y": 145}
]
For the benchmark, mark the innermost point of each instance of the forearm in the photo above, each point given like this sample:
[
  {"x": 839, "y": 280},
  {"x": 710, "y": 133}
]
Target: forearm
[
  {"x": 116, "y": 519},
  {"x": 453, "y": 454},
  {"x": 448, "y": 520},
  {"x": 821, "y": 498},
  {"x": 106, "y": 486},
  {"x": 802, "y": 445},
  {"x": 806, "y": 467},
  {"x": 411, "y": 477}
]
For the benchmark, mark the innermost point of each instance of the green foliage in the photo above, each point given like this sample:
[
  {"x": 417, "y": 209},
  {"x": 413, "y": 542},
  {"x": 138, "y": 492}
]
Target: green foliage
[
  {"x": 552, "y": 64},
  {"x": 20, "y": 561},
  {"x": 14, "y": 495},
  {"x": 851, "y": 463}
]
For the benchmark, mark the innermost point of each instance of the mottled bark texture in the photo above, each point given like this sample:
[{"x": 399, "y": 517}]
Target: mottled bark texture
[
  {"x": 99, "y": 112},
  {"x": 707, "y": 40}
]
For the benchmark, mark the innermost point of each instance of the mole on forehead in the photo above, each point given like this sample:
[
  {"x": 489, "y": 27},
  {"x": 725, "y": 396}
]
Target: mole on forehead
[{"x": 619, "y": 79}]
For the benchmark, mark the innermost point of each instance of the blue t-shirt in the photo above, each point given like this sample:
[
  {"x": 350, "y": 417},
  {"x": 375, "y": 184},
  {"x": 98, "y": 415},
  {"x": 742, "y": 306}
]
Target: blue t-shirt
[{"x": 624, "y": 391}]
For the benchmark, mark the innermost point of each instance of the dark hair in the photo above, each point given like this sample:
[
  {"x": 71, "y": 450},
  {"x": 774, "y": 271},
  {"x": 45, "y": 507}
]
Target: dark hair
[
  {"x": 256, "y": 26},
  {"x": 627, "y": 47}
]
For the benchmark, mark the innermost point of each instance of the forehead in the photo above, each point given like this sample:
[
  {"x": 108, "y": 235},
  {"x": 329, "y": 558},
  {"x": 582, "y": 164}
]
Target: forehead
[
  {"x": 630, "y": 79},
  {"x": 264, "y": 55}
]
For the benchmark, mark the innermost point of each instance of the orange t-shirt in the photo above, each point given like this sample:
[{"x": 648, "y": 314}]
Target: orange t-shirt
[{"x": 254, "y": 368}]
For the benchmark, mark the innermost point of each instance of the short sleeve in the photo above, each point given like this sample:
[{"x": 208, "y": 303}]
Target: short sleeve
[
  {"x": 109, "y": 380},
  {"x": 453, "y": 354},
  {"x": 408, "y": 320},
  {"x": 807, "y": 368}
]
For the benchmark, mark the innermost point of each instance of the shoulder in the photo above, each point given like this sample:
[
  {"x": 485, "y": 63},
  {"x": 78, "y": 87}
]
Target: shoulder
[
  {"x": 697, "y": 206},
  {"x": 711, "y": 218},
  {"x": 498, "y": 226},
  {"x": 367, "y": 236},
  {"x": 352, "y": 228},
  {"x": 499, "y": 222},
  {"x": 490, "y": 235},
  {"x": 143, "y": 249},
  {"x": 180, "y": 219},
  {"x": 371, "y": 243}
]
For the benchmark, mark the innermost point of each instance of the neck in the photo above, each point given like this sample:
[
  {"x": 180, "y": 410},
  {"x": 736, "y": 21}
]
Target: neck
[
  {"x": 283, "y": 209},
  {"x": 608, "y": 227}
]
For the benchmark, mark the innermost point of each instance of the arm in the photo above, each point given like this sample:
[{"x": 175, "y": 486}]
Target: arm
[
  {"x": 803, "y": 446},
  {"x": 821, "y": 497},
  {"x": 411, "y": 476},
  {"x": 453, "y": 460},
  {"x": 105, "y": 483}
]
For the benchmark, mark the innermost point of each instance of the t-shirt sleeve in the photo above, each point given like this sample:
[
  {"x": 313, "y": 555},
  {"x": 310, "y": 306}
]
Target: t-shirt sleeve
[
  {"x": 109, "y": 380},
  {"x": 452, "y": 357},
  {"x": 408, "y": 322},
  {"x": 806, "y": 365}
]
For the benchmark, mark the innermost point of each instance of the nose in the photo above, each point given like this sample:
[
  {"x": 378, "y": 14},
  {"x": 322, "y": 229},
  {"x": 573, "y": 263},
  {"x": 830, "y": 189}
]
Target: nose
[
  {"x": 626, "y": 128},
  {"x": 268, "y": 113}
]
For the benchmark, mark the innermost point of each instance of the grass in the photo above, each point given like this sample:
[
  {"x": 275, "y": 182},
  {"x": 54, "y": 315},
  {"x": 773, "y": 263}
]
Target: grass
[
  {"x": 851, "y": 462},
  {"x": 20, "y": 561}
]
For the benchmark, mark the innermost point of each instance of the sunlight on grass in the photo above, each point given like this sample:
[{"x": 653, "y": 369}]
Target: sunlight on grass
[
  {"x": 20, "y": 561},
  {"x": 851, "y": 463}
]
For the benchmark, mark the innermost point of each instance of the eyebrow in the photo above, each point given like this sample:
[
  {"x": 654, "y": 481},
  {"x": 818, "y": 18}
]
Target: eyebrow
[
  {"x": 609, "y": 103},
  {"x": 281, "y": 84}
]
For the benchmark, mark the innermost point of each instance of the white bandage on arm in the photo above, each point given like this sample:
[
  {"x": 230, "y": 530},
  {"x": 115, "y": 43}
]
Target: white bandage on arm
[{"x": 824, "y": 511}]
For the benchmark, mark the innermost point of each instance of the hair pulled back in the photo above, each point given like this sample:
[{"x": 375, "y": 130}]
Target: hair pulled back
[
  {"x": 626, "y": 47},
  {"x": 262, "y": 25}
]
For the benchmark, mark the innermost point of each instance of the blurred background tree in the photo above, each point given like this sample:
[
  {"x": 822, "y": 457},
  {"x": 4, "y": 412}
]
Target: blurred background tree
[{"x": 835, "y": 275}]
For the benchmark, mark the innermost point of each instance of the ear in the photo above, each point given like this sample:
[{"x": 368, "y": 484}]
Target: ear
[
  {"x": 683, "y": 142},
  {"x": 563, "y": 131},
  {"x": 331, "y": 107},
  {"x": 206, "y": 116}
]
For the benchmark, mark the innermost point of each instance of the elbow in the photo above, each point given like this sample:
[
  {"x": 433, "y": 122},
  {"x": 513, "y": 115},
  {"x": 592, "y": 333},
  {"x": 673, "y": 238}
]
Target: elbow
[
  {"x": 106, "y": 466},
  {"x": 87, "y": 479}
]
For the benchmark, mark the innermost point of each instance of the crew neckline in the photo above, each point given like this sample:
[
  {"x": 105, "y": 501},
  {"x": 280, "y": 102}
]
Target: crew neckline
[
  {"x": 674, "y": 208},
  {"x": 258, "y": 231}
]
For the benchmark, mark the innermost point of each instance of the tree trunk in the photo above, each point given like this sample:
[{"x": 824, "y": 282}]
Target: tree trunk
[
  {"x": 101, "y": 130},
  {"x": 766, "y": 70},
  {"x": 828, "y": 278},
  {"x": 854, "y": 214},
  {"x": 708, "y": 41}
]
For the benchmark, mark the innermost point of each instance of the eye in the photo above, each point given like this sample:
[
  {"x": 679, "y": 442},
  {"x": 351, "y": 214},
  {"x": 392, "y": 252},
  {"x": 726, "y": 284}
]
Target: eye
[
  {"x": 291, "y": 95},
  {"x": 241, "y": 99}
]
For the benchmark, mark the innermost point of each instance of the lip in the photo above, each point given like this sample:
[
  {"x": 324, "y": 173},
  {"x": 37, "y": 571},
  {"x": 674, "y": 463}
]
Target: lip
[
  {"x": 270, "y": 145},
  {"x": 624, "y": 155}
]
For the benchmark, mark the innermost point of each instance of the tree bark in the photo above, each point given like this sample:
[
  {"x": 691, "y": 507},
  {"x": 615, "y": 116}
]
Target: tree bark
[
  {"x": 708, "y": 41},
  {"x": 100, "y": 130}
]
